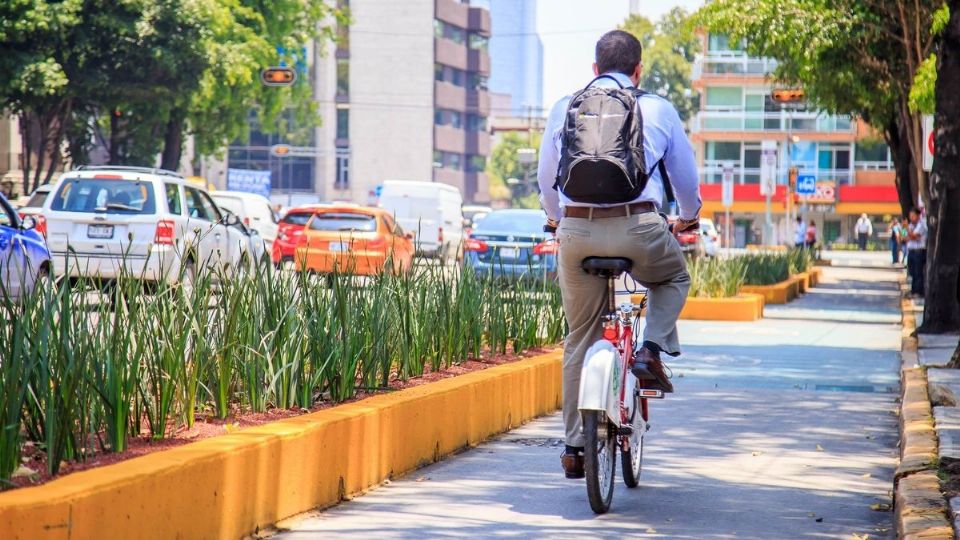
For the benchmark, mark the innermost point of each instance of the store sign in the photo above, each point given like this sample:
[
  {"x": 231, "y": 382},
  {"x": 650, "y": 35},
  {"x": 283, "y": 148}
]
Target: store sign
[
  {"x": 825, "y": 193},
  {"x": 250, "y": 181},
  {"x": 928, "y": 146}
]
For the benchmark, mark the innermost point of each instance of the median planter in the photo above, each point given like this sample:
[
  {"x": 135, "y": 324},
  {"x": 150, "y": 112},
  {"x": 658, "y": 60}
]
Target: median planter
[
  {"x": 816, "y": 275},
  {"x": 743, "y": 307},
  {"x": 778, "y": 293},
  {"x": 803, "y": 281},
  {"x": 232, "y": 485}
]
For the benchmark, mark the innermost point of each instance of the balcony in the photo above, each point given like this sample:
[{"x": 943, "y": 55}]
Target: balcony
[
  {"x": 732, "y": 64},
  {"x": 712, "y": 173},
  {"x": 766, "y": 122},
  {"x": 479, "y": 21}
]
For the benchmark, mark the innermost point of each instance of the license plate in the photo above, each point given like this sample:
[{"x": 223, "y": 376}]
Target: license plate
[
  {"x": 339, "y": 246},
  {"x": 508, "y": 253},
  {"x": 100, "y": 231}
]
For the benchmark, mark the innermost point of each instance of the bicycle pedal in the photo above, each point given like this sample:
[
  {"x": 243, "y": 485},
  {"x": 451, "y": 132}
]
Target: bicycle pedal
[
  {"x": 625, "y": 430},
  {"x": 650, "y": 393}
]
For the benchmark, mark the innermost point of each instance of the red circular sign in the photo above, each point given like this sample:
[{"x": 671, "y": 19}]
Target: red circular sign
[{"x": 930, "y": 142}]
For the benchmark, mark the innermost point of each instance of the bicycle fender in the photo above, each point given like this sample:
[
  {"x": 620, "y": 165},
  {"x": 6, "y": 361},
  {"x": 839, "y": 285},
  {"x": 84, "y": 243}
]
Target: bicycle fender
[{"x": 600, "y": 380}]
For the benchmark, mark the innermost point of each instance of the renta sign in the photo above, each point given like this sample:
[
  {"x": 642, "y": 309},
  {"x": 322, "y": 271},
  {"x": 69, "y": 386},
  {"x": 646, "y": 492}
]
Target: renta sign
[{"x": 826, "y": 193}]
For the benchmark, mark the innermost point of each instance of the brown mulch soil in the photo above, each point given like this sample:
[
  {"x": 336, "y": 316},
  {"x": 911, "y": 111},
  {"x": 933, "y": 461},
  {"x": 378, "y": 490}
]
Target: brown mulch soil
[
  {"x": 207, "y": 425},
  {"x": 950, "y": 477}
]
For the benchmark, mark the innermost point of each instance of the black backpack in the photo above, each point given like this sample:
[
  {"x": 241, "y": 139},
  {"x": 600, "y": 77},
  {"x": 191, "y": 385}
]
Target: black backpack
[{"x": 601, "y": 152}]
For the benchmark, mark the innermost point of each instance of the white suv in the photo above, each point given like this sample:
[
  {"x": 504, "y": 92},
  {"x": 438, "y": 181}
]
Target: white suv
[{"x": 150, "y": 221}]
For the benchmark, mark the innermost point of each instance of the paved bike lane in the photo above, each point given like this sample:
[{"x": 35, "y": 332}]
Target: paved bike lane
[{"x": 783, "y": 428}]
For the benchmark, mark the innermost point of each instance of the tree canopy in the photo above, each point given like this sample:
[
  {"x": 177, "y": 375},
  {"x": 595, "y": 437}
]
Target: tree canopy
[{"x": 669, "y": 49}]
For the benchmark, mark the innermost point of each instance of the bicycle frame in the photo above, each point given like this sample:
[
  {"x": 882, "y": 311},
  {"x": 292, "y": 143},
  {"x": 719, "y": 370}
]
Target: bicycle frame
[{"x": 606, "y": 383}]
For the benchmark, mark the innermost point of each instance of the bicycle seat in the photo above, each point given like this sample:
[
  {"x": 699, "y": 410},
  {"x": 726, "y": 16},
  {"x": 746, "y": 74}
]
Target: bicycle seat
[{"x": 606, "y": 266}]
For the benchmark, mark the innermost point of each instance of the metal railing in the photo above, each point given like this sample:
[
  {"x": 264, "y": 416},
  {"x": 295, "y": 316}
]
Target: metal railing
[
  {"x": 740, "y": 120},
  {"x": 873, "y": 165},
  {"x": 731, "y": 64},
  {"x": 712, "y": 173}
]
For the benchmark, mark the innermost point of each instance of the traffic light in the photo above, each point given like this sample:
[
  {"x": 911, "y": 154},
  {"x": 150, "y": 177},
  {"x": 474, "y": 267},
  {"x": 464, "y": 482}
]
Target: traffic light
[
  {"x": 280, "y": 150},
  {"x": 792, "y": 175},
  {"x": 278, "y": 76},
  {"x": 787, "y": 96}
]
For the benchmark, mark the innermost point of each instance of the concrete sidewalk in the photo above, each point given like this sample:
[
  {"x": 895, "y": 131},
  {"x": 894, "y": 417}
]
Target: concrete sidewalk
[{"x": 783, "y": 428}]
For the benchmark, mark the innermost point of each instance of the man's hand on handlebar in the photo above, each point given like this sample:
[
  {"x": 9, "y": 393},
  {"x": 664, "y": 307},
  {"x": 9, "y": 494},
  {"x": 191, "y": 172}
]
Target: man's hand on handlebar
[
  {"x": 686, "y": 225},
  {"x": 551, "y": 226}
]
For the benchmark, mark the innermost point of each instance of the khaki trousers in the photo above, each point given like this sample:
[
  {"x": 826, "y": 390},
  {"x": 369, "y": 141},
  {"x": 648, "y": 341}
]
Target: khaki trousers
[{"x": 658, "y": 265}]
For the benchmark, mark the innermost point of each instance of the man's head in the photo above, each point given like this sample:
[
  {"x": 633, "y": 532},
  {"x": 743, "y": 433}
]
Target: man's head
[
  {"x": 914, "y": 215},
  {"x": 799, "y": 219},
  {"x": 618, "y": 51}
]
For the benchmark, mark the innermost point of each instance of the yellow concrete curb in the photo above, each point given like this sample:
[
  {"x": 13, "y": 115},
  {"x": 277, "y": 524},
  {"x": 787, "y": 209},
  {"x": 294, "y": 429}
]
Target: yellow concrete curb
[
  {"x": 816, "y": 275},
  {"x": 231, "y": 485},
  {"x": 920, "y": 510},
  {"x": 803, "y": 281},
  {"x": 744, "y": 307},
  {"x": 778, "y": 293}
]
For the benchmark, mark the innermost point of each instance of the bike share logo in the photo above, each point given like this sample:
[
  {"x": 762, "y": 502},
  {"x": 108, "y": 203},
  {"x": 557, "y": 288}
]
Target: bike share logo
[{"x": 616, "y": 377}]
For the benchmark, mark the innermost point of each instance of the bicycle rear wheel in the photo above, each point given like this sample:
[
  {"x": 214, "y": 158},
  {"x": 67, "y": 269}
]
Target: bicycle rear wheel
[
  {"x": 632, "y": 459},
  {"x": 599, "y": 459}
]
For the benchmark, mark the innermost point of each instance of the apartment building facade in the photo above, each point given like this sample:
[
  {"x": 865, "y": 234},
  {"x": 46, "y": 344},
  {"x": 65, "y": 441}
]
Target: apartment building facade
[
  {"x": 402, "y": 95},
  {"x": 851, "y": 164}
]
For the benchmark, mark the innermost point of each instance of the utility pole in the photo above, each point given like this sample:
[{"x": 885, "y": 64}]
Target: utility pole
[{"x": 788, "y": 100}]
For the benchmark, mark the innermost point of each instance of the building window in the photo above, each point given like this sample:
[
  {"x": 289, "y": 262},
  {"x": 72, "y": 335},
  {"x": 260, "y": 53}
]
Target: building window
[
  {"x": 446, "y": 117},
  {"x": 343, "y": 123},
  {"x": 725, "y": 97},
  {"x": 456, "y": 76},
  {"x": 453, "y": 161},
  {"x": 478, "y": 42},
  {"x": 437, "y": 159},
  {"x": 477, "y": 81},
  {"x": 723, "y": 151},
  {"x": 343, "y": 76},
  {"x": 438, "y": 72},
  {"x": 342, "y": 180},
  {"x": 476, "y": 122},
  {"x": 721, "y": 43},
  {"x": 448, "y": 31},
  {"x": 476, "y": 164},
  {"x": 343, "y": 30}
]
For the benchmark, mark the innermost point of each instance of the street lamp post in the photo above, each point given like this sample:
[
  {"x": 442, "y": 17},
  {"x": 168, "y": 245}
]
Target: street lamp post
[{"x": 788, "y": 100}]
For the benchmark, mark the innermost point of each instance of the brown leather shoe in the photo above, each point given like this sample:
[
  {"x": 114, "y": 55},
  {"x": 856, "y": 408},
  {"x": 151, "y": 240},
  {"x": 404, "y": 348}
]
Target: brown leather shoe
[
  {"x": 572, "y": 464},
  {"x": 648, "y": 367}
]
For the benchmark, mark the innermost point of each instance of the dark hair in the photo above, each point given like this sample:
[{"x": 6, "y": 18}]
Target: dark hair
[
  {"x": 914, "y": 210},
  {"x": 618, "y": 51}
]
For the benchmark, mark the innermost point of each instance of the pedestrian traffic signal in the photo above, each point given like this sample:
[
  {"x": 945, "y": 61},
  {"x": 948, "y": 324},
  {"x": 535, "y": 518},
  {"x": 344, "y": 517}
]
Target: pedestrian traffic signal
[
  {"x": 280, "y": 150},
  {"x": 787, "y": 96},
  {"x": 792, "y": 175},
  {"x": 278, "y": 76}
]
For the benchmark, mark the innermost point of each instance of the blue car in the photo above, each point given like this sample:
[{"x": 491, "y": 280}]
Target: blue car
[
  {"x": 511, "y": 243},
  {"x": 24, "y": 257}
]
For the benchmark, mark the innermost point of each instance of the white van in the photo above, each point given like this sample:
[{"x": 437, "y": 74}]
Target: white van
[
  {"x": 253, "y": 209},
  {"x": 432, "y": 211}
]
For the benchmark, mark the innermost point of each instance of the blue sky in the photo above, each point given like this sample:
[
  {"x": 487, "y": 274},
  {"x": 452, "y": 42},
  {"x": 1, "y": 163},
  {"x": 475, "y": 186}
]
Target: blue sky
[{"x": 569, "y": 30}]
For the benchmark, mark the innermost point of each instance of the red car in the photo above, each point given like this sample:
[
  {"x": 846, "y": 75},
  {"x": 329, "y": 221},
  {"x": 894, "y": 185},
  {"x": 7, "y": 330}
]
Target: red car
[
  {"x": 691, "y": 242},
  {"x": 290, "y": 231}
]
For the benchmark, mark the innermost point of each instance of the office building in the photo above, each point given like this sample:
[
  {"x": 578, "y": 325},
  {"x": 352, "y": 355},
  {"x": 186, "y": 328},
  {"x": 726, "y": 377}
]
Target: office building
[
  {"x": 403, "y": 96},
  {"x": 516, "y": 56},
  {"x": 850, "y": 164}
]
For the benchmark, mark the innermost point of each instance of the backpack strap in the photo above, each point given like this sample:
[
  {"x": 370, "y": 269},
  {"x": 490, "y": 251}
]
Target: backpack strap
[
  {"x": 667, "y": 187},
  {"x": 604, "y": 76}
]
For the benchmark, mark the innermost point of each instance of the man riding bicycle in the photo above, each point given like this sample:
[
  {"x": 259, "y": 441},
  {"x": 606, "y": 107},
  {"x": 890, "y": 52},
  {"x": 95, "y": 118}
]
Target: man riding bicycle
[{"x": 603, "y": 175}]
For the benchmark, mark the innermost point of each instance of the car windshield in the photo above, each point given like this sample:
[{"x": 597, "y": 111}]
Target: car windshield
[
  {"x": 496, "y": 222},
  {"x": 6, "y": 215},
  {"x": 110, "y": 196},
  {"x": 37, "y": 199},
  {"x": 706, "y": 226},
  {"x": 297, "y": 218},
  {"x": 344, "y": 222}
]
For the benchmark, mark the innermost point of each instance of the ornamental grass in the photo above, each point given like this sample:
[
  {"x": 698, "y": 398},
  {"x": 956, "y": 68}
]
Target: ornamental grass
[{"x": 80, "y": 375}]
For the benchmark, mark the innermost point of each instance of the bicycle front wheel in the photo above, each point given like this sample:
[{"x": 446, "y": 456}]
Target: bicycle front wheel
[{"x": 599, "y": 459}]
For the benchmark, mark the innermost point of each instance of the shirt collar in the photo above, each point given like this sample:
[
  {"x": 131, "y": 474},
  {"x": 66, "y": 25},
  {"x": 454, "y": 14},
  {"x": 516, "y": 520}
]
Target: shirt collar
[{"x": 621, "y": 78}]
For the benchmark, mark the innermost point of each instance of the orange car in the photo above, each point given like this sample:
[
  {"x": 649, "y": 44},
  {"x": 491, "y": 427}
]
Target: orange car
[{"x": 353, "y": 239}]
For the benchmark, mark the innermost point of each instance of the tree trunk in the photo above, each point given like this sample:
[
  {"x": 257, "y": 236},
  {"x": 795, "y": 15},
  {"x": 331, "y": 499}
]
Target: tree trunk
[
  {"x": 901, "y": 164},
  {"x": 173, "y": 141},
  {"x": 26, "y": 148},
  {"x": 942, "y": 303},
  {"x": 114, "y": 150}
]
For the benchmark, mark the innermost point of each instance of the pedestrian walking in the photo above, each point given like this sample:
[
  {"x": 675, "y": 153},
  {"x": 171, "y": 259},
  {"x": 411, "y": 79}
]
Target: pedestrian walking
[
  {"x": 904, "y": 227},
  {"x": 811, "y": 235},
  {"x": 800, "y": 236},
  {"x": 596, "y": 216},
  {"x": 917, "y": 251},
  {"x": 894, "y": 241},
  {"x": 864, "y": 230}
]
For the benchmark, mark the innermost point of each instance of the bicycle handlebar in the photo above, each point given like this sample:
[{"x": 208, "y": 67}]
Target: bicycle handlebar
[{"x": 549, "y": 228}]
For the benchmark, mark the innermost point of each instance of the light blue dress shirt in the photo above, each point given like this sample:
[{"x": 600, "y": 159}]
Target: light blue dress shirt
[{"x": 663, "y": 137}]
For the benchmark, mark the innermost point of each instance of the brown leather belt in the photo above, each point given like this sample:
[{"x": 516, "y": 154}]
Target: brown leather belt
[{"x": 624, "y": 210}]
